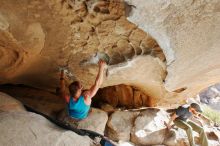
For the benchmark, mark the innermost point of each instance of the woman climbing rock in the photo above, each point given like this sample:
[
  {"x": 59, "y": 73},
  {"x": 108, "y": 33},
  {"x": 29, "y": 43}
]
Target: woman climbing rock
[{"x": 78, "y": 102}]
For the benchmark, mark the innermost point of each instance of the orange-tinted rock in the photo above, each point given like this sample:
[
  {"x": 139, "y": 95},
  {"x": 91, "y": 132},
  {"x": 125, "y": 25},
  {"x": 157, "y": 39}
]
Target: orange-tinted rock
[
  {"x": 66, "y": 33},
  {"x": 138, "y": 102},
  {"x": 119, "y": 95},
  {"x": 109, "y": 95},
  {"x": 123, "y": 96}
]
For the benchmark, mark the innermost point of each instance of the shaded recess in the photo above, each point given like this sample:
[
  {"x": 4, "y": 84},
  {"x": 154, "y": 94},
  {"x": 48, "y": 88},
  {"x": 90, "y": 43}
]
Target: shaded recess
[
  {"x": 41, "y": 100},
  {"x": 119, "y": 96},
  {"x": 123, "y": 96}
]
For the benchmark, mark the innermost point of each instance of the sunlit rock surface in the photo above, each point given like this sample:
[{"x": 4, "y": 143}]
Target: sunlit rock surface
[
  {"x": 31, "y": 129},
  {"x": 120, "y": 124},
  {"x": 149, "y": 128},
  {"x": 188, "y": 31}
]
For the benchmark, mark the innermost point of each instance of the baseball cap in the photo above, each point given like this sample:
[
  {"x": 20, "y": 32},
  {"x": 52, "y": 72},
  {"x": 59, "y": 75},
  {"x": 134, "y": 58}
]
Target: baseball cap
[{"x": 196, "y": 107}]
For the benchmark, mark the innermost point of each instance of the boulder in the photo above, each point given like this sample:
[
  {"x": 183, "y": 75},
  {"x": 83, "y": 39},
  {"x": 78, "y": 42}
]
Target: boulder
[
  {"x": 149, "y": 128},
  {"x": 25, "y": 128},
  {"x": 95, "y": 121},
  {"x": 120, "y": 124},
  {"x": 41, "y": 100},
  {"x": 8, "y": 103}
]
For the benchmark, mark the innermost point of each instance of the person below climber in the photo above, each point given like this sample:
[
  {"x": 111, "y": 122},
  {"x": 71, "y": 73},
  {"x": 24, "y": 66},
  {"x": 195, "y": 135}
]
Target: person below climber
[
  {"x": 181, "y": 119},
  {"x": 78, "y": 102}
]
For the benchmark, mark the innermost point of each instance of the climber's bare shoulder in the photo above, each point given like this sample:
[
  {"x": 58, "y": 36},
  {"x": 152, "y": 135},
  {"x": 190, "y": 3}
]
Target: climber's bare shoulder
[{"x": 87, "y": 98}]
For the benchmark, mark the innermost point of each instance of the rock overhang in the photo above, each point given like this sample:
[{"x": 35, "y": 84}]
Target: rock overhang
[{"x": 71, "y": 33}]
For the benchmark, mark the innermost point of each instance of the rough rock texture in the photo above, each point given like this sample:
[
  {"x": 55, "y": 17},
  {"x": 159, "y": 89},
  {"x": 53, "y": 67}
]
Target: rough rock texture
[
  {"x": 96, "y": 121},
  {"x": 149, "y": 128},
  {"x": 211, "y": 97},
  {"x": 188, "y": 31},
  {"x": 40, "y": 100},
  {"x": 26, "y": 128},
  {"x": 146, "y": 127},
  {"x": 122, "y": 96},
  {"x": 120, "y": 124},
  {"x": 75, "y": 34},
  {"x": 30, "y": 129},
  {"x": 52, "y": 105},
  {"x": 8, "y": 103},
  {"x": 39, "y": 36}
]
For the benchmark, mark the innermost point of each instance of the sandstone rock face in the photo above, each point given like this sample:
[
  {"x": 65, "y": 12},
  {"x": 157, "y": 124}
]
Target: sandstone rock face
[
  {"x": 123, "y": 96},
  {"x": 71, "y": 34},
  {"x": 96, "y": 120},
  {"x": 45, "y": 35},
  {"x": 8, "y": 103},
  {"x": 149, "y": 128},
  {"x": 40, "y": 100},
  {"x": 188, "y": 32},
  {"x": 146, "y": 127},
  {"x": 120, "y": 124},
  {"x": 30, "y": 129}
]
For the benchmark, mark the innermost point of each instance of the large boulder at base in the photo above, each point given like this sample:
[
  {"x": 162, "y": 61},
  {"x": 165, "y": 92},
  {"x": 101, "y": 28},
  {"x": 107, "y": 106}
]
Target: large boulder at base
[
  {"x": 29, "y": 129},
  {"x": 95, "y": 121},
  {"x": 149, "y": 128},
  {"x": 120, "y": 124},
  {"x": 8, "y": 103}
]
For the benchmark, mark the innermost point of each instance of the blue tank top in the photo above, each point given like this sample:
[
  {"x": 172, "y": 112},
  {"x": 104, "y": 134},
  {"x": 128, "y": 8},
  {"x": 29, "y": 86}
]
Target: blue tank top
[{"x": 78, "y": 109}]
